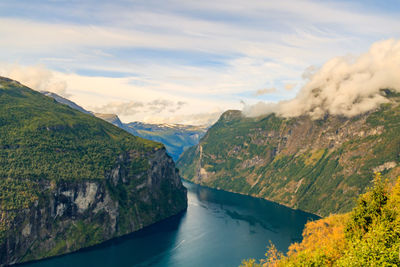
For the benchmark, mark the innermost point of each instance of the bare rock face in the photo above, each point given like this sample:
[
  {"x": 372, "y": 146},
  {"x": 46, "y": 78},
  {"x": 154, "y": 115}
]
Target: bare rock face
[
  {"x": 69, "y": 215},
  {"x": 319, "y": 166}
]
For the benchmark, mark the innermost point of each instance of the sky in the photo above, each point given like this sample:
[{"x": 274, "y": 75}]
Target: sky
[{"x": 186, "y": 61}]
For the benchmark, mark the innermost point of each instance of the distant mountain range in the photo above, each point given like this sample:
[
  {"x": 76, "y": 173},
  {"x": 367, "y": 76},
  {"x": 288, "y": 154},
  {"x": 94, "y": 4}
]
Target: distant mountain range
[{"x": 175, "y": 137}]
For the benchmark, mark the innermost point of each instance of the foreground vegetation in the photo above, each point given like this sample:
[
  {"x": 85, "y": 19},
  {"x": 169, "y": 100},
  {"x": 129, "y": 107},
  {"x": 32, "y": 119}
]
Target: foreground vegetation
[{"x": 367, "y": 236}]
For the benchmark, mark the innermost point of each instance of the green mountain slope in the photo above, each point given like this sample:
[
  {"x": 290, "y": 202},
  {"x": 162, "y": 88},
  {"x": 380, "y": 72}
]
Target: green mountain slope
[
  {"x": 69, "y": 180},
  {"x": 175, "y": 137},
  {"x": 318, "y": 166}
]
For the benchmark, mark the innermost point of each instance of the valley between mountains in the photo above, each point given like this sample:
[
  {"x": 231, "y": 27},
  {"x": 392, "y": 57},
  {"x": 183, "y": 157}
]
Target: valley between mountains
[
  {"x": 151, "y": 133},
  {"x": 72, "y": 180}
]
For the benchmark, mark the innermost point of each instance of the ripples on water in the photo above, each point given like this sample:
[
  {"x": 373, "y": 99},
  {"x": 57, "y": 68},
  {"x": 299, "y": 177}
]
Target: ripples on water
[{"x": 218, "y": 229}]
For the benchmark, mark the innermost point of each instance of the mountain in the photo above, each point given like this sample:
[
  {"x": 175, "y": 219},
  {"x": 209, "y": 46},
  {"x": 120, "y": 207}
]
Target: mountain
[
  {"x": 69, "y": 180},
  {"x": 175, "y": 137},
  {"x": 319, "y": 166},
  {"x": 65, "y": 101},
  {"x": 111, "y": 118}
]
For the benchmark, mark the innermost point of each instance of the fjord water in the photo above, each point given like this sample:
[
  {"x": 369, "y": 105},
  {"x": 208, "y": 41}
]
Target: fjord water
[{"x": 218, "y": 229}]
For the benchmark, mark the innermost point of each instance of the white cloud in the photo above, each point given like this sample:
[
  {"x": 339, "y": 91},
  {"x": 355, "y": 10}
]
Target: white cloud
[
  {"x": 346, "y": 86},
  {"x": 265, "y": 91},
  {"x": 134, "y": 107},
  {"x": 290, "y": 86},
  {"x": 36, "y": 77},
  {"x": 132, "y": 102},
  {"x": 206, "y": 119},
  {"x": 112, "y": 95},
  {"x": 251, "y": 45}
]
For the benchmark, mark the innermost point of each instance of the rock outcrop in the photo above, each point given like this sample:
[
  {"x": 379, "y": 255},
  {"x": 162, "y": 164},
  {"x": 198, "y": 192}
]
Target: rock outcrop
[
  {"x": 319, "y": 166},
  {"x": 69, "y": 180},
  {"x": 70, "y": 215}
]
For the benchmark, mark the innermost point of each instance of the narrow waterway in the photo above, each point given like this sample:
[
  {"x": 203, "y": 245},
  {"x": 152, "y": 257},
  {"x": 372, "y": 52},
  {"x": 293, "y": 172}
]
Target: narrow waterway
[{"x": 218, "y": 229}]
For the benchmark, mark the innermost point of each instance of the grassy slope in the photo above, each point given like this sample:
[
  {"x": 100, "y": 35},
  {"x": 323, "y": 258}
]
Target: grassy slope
[
  {"x": 238, "y": 154},
  {"x": 41, "y": 139}
]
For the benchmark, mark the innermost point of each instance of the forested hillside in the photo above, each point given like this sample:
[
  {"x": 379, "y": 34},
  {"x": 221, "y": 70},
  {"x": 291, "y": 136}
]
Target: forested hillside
[
  {"x": 69, "y": 180},
  {"x": 319, "y": 166}
]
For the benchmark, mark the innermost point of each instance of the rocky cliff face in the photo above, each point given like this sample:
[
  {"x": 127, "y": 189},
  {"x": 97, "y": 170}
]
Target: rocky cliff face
[
  {"x": 69, "y": 215},
  {"x": 111, "y": 118},
  {"x": 65, "y": 101},
  {"x": 69, "y": 180},
  {"x": 318, "y": 166}
]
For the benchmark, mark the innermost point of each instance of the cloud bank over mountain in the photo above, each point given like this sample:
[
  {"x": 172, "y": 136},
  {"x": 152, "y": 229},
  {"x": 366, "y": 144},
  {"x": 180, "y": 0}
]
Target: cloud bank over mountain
[
  {"x": 36, "y": 77},
  {"x": 346, "y": 85}
]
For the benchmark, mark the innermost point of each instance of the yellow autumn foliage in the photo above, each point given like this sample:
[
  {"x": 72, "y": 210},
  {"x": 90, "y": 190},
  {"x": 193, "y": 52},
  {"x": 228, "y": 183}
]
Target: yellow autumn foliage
[{"x": 367, "y": 236}]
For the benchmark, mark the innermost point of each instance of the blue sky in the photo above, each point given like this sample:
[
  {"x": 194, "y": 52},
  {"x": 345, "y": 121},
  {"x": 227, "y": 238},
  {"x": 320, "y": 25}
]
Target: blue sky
[{"x": 120, "y": 56}]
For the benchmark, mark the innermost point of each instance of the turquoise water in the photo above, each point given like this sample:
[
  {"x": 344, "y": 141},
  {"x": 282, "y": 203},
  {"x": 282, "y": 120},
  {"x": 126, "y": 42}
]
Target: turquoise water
[{"x": 218, "y": 229}]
